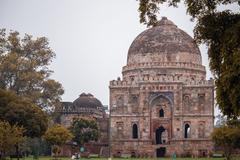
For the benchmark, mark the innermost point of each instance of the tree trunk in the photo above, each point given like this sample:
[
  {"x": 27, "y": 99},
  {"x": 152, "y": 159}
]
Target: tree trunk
[
  {"x": 1, "y": 154},
  {"x": 228, "y": 152},
  {"x": 17, "y": 151}
]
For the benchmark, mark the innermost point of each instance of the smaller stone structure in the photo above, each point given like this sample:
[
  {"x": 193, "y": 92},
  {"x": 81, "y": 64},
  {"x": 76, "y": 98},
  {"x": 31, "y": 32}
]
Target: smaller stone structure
[{"x": 85, "y": 106}]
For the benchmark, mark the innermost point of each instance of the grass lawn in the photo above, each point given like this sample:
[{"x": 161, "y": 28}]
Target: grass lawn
[{"x": 68, "y": 158}]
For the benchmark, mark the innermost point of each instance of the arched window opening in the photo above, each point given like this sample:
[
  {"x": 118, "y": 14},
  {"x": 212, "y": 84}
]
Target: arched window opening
[
  {"x": 201, "y": 133},
  {"x": 186, "y": 102},
  {"x": 134, "y": 131},
  {"x": 120, "y": 101},
  {"x": 161, "y": 113},
  {"x": 187, "y": 131}
]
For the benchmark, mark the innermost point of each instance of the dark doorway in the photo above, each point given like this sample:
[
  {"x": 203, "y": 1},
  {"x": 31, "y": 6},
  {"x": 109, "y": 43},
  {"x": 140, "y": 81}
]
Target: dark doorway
[
  {"x": 202, "y": 153},
  {"x": 134, "y": 131},
  {"x": 159, "y": 132},
  {"x": 161, "y": 152},
  {"x": 133, "y": 155}
]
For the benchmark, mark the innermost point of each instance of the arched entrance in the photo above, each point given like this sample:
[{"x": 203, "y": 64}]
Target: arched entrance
[
  {"x": 158, "y": 133},
  {"x": 161, "y": 152}
]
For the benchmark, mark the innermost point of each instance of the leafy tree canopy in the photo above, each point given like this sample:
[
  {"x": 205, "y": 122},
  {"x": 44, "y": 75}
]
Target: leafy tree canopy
[
  {"x": 228, "y": 138},
  {"x": 24, "y": 68},
  {"x": 35, "y": 146},
  {"x": 84, "y": 130},
  {"x": 149, "y": 9},
  {"x": 9, "y": 137},
  {"x": 22, "y": 112},
  {"x": 220, "y": 31},
  {"x": 58, "y": 135}
]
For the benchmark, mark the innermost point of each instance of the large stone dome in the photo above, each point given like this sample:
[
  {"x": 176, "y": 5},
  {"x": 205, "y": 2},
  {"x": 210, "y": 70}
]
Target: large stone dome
[
  {"x": 84, "y": 105},
  {"x": 163, "y": 43},
  {"x": 87, "y": 101}
]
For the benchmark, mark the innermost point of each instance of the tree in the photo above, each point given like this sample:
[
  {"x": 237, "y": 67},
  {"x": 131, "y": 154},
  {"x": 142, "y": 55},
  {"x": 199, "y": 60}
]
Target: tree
[
  {"x": 220, "y": 31},
  {"x": 24, "y": 68},
  {"x": 22, "y": 112},
  {"x": 149, "y": 9},
  {"x": 57, "y": 136},
  {"x": 228, "y": 138},
  {"x": 10, "y": 136},
  {"x": 84, "y": 130},
  {"x": 35, "y": 146}
]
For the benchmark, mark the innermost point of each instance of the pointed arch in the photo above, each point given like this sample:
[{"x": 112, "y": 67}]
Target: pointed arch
[{"x": 156, "y": 96}]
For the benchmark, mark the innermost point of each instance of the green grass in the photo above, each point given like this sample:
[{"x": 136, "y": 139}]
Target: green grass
[
  {"x": 237, "y": 158},
  {"x": 68, "y": 158}
]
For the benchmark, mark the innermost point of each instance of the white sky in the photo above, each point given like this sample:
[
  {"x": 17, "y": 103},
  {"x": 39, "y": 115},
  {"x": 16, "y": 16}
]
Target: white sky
[{"x": 90, "y": 37}]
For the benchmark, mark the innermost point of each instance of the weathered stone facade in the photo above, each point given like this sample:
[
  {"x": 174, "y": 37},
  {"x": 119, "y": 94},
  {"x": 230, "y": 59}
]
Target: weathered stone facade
[{"x": 163, "y": 104}]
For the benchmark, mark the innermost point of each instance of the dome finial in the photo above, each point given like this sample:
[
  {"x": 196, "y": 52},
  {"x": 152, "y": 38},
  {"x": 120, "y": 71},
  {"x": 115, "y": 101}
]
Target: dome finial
[
  {"x": 83, "y": 94},
  {"x": 165, "y": 21},
  {"x": 164, "y": 18}
]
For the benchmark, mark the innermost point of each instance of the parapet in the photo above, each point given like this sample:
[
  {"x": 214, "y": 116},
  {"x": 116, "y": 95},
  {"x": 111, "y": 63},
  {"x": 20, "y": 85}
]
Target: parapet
[
  {"x": 166, "y": 79},
  {"x": 182, "y": 65}
]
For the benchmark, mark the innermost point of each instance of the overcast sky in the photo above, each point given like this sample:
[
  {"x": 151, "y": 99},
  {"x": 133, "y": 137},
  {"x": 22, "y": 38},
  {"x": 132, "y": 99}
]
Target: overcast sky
[{"x": 90, "y": 37}]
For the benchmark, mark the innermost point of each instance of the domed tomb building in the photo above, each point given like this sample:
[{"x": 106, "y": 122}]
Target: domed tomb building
[
  {"x": 163, "y": 104},
  {"x": 89, "y": 107},
  {"x": 85, "y": 106}
]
